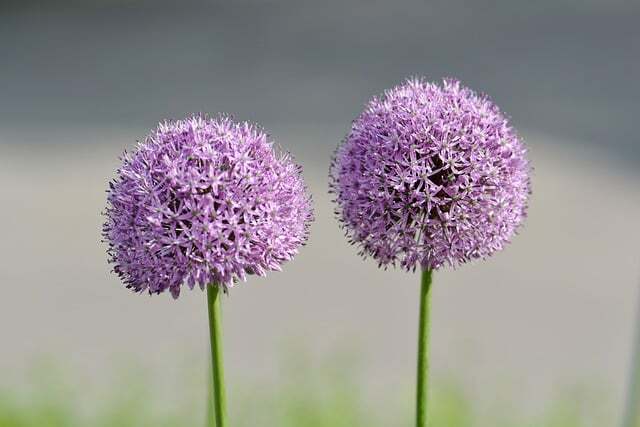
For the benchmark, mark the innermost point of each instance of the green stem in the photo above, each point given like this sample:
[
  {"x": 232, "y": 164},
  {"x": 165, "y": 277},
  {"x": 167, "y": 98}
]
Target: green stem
[
  {"x": 217, "y": 374},
  {"x": 423, "y": 350}
]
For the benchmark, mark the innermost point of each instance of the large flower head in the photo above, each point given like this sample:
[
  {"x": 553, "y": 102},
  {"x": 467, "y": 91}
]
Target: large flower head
[
  {"x": 430, "y": 175},
  {"x": 204, "y": 201}
]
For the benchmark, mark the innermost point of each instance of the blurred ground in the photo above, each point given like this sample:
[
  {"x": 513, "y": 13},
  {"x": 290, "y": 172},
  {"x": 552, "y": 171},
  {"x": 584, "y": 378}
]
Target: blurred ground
[{"x": 307, "y": 396}]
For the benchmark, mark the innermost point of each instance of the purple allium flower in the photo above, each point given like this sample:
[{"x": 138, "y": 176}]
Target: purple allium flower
[
  {"x": 203, "y": 201},
  {"x": 430, "y": 175}
]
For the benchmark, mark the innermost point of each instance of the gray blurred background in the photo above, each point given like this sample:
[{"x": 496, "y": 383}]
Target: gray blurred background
[{"x": 80, "y": 81}]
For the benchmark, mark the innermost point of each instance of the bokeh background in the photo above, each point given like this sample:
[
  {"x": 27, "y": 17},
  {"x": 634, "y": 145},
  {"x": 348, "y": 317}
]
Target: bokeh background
[{"x": 80, "y": 81}]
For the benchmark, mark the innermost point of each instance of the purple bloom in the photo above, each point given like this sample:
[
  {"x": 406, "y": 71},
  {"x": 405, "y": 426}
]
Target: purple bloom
[
  {"x": 204, "y": 201},
  {"x": 430, "y": 175}
]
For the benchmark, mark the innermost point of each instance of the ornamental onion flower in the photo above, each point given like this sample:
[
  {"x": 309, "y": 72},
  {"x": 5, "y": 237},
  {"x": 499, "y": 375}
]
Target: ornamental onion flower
[
  {"x": 430, "y": 175},
  {"x": 204, "y": 201}
]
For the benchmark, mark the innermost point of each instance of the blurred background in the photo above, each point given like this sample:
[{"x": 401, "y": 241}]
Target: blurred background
[{"x": 553, "y": 315}]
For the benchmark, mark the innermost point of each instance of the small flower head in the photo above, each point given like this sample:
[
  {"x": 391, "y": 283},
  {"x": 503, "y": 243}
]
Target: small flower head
[
  {"x": 204, "y": 201},
  {"x": 430, "y": 175}
]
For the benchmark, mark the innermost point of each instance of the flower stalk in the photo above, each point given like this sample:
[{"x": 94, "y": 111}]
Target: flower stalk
[
  {"x": 218, "y": 395},
  {"x": 422, "y": 387}
]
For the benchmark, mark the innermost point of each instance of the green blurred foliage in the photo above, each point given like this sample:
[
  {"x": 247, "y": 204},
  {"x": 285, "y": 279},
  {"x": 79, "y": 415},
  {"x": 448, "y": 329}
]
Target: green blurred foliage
[{"x": 306, "y": 395}]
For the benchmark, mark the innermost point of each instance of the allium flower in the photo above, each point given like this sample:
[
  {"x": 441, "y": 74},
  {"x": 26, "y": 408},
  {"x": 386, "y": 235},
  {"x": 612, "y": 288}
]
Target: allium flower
[
  {"x": 204, "y": 201},
  {"x": 430, "y": 175}
]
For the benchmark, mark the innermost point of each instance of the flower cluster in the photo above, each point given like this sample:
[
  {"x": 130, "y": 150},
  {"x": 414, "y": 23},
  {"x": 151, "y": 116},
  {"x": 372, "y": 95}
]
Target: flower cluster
[
  {"x": 204, "y": 201},
  {"x": 430, "y": 175}
]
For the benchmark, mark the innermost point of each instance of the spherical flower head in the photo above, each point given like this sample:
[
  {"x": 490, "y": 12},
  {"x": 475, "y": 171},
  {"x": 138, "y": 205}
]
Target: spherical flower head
[
  {"x": 430, "y": 175},
  {"x": 204, "y": 201}
]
